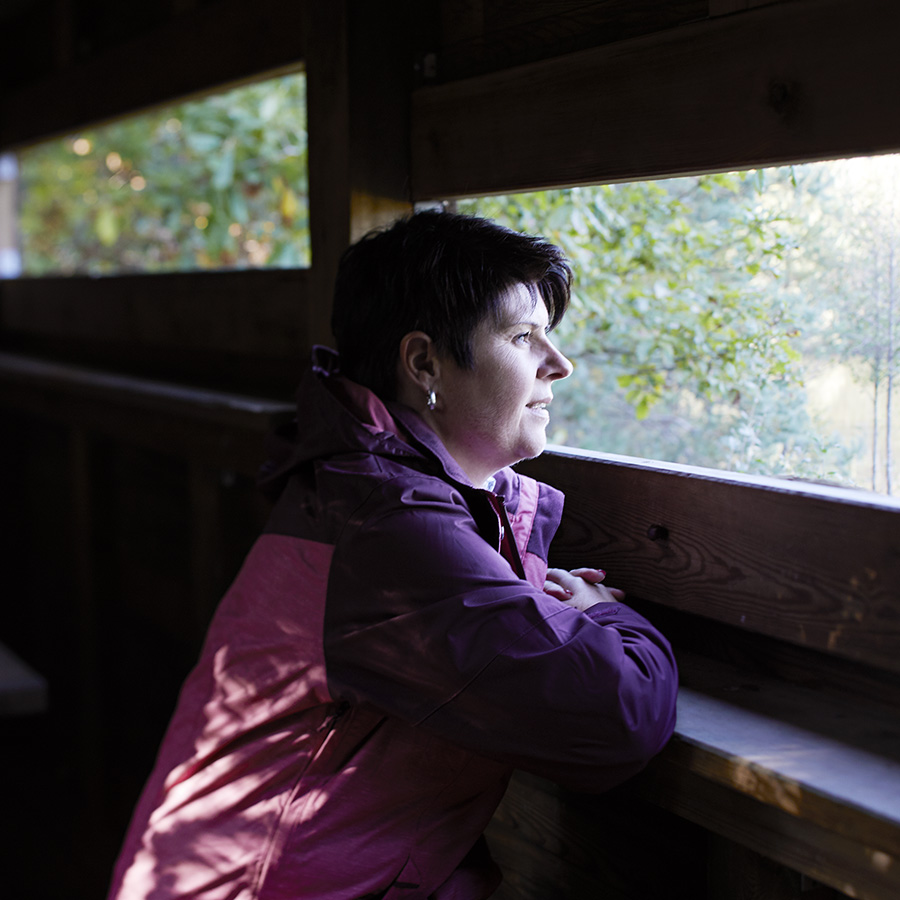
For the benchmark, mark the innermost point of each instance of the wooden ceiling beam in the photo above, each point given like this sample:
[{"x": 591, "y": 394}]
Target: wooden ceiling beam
[
  {"x": 798, "y": 81},
  {"x": 220, "y": 44}
]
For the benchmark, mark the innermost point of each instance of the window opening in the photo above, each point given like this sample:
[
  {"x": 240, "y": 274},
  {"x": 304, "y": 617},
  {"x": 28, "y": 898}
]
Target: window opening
[
  {"x": 10, "y": 259},
  {"x": 212, "y": 183},
  {"x": 746, "y": 321}
]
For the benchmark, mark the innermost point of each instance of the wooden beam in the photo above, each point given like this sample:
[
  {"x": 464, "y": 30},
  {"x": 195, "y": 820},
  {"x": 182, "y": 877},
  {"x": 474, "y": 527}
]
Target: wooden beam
[
  {"x": 479, "y": 37},
  {"x": 211, "y": 428},
  {"x": 221, "y": 43},
  {"x": 831, "y": 858},
  {"x": 828, "y": 758},
  {"x": 243, "y": 329},
  {"x": 235, "y": 312},
  {"x": 816, "y": 566},
  {"x": 804, "y": 80},
  {"x": 327, "y": 99},
  {"x": 359, "y": 73}
]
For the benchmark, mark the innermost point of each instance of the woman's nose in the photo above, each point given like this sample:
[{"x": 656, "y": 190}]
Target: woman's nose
[{"x": 557, "y": 364}]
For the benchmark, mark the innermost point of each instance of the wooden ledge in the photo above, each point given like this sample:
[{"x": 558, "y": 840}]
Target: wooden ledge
[
  {"x": 796, "y": 775},
  {"x": 812, "y": 565},
  {"x": 830, "y": 760},
  {"x": 802, "y": 776},
  {"x": 215, "y": 427}
]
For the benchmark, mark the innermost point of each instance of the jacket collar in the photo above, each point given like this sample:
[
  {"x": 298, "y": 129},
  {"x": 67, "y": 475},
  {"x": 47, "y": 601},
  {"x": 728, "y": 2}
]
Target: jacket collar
[{"x": 336, "y": 415}]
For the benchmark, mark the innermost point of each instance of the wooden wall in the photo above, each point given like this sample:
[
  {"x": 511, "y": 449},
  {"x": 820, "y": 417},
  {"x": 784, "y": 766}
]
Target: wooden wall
[{"x": 132, "y": 428}]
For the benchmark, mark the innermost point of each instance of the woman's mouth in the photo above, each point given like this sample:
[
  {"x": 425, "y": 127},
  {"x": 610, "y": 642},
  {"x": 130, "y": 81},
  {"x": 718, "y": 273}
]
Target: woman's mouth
[{"x": 539, "y": 408}]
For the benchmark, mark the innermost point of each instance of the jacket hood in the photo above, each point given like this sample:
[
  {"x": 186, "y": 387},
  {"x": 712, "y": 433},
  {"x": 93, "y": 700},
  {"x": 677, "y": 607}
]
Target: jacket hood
[{"x": 336, "y": 416}]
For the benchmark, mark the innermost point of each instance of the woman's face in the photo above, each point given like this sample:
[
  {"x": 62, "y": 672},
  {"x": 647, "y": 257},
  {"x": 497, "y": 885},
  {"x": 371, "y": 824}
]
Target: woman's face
[{"x": 496, "y": 413}]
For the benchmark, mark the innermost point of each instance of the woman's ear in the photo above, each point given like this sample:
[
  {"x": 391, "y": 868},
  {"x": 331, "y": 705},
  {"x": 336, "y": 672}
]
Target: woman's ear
[{"x": 418, "y": 368}]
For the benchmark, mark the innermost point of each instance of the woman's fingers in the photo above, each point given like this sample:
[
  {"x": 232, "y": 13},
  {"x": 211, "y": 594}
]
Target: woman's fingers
[
  {"x": 594, "y": 576},
  {"x": 580, "y": 588},
  {"x": 554, "y": 590},
  {"x": 553, "y": 585}
]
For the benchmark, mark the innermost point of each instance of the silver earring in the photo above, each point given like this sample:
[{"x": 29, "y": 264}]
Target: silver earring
[{"x": 431, "y": 399}]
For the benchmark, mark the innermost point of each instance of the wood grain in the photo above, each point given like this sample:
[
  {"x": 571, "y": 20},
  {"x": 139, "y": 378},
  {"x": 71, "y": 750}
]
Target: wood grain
[
  {"x": 805, "y": 80},
  {"x": 235, "y": 312},
  {"x": 843, "y": 863},
  {"x": 823, "y": 759},
  {"x": 812, "y": 565},
  {"x": 479, "y": 37},
  {"x": 237, "y": 330}
]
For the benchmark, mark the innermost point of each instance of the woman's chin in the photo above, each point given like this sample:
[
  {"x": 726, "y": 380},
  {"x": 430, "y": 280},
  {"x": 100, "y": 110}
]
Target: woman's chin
[{"x": 533, "y": 447}]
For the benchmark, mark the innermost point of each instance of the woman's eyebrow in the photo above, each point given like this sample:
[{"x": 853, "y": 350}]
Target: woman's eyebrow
[
  {"x": 525, "y": 318},
  {"x": 520, "y": 325}
]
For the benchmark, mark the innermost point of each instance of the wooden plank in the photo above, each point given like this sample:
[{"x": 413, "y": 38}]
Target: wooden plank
[
  {"x": 829, "y": 760},
  {"x": 804, "y": 778},
  {"x": 485, "y": 37},
  {"x": 236, "y": 312},
  {"x": 327, "y": 104},
  {"x": 553, "y": 843},
  {"x": 726, "y": 7},
  {"x": 83, "y": 560},
  {"x": 243, "y": 330},
  {"x": 796, "y": 776},
  {"x": 813, "y": 565},
  {"x": 223, "y": 42},
  {"x": 833, "y": 859},
  {"x": 212, "y": 427},
  {"x": 736, "y": 873},
  {"x": 804, "y": 80},
  {"x": 382, "y": 39}
]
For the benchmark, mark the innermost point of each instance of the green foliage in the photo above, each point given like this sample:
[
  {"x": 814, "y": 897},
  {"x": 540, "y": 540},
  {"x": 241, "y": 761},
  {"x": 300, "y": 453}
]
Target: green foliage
[
  {"x": 214, "y": 183},
  {"x": 685, "y": 336}
]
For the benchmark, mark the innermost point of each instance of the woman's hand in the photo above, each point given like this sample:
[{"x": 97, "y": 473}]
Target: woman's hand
[{"x": 581, "y": 588}]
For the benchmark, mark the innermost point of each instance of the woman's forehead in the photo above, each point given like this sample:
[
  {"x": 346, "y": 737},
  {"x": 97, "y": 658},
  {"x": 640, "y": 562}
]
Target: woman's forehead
[{"x": 521, "y": 303}]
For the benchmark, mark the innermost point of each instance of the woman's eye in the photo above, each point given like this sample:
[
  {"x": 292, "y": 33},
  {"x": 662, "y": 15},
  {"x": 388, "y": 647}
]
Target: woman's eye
[{"x": 523, "y": 337}]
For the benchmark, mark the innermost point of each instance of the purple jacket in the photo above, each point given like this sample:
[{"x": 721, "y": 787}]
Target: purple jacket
[{"x": 375, "y": 672}]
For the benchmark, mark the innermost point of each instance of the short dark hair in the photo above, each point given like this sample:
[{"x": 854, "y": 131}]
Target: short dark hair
[{"x": 438, "y": 272}]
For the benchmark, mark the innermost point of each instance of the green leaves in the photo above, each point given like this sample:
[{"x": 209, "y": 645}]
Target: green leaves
[
  {"x": 106, "y": 226},
  {"x": 215, "y": 183},
  {"x": 682, "y": 323}
]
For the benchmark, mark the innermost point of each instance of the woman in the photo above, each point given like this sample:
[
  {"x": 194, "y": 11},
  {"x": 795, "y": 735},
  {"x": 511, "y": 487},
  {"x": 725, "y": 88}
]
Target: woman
[{"x": 394, "y": 644}]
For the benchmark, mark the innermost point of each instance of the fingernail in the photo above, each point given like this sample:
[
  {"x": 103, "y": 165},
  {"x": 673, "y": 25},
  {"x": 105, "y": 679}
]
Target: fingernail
[
  {"x": 567, "y": 592},
  {"x": 601, "y": 571}
]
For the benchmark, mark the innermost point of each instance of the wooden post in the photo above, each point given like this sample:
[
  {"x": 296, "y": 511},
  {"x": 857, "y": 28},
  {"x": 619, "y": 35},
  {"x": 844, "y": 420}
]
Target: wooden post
[
  {"x": 737, "y": 873},
  {"x": 80, "y": 452},
  {"x": 359, "y": 79}
]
